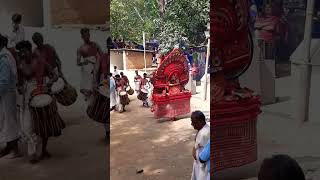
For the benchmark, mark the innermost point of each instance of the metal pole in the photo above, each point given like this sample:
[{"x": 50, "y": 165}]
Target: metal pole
[
  {"x": 144, "y": 52},
  {"x": 304, "y": 68},
  {"x": 205, "y": 86},
  {"x": 47, "y": 13}
]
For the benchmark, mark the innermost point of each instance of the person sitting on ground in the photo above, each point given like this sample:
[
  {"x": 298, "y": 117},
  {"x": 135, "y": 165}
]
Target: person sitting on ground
[{"x": 280, "y": 167}]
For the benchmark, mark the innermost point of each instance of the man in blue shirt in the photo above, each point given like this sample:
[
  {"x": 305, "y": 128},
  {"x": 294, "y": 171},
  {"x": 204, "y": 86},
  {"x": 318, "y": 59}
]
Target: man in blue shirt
[
  {"x": 9, "y": 125},
  {"x": 204, "y": 157}
]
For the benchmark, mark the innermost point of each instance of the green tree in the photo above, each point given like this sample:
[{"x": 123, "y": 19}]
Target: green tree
[
  {"x": 126, "y": 23},
  {"x": 171, "y": 22},
  {"x": 184, "y": 21}
]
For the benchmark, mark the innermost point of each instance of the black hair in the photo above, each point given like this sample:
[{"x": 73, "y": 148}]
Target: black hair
[
  {"x": 3, "y": 41},
  {"x": 121, "y": 73},
  {"x": 117, "y": 76},
  {"x": 110, "y": 74},
  {"x": 16, "y": 18},
  {"x": 35, "y": 35},
  {"x": 84, "y": 30},
  {"x": 198, "y": 115},
  {"x": 24, "y": 44},
  {"x": 115, "y": 67},
  {"x": 280, "y": 167}
]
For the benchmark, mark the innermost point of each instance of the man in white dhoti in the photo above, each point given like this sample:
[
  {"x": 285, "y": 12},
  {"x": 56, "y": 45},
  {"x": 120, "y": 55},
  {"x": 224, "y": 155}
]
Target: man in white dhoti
[
  {"x": 113, "y": 93},
  {"x": 9, "y": 125},
  {"x": 137, "y": 81},
  {"x": 88, "y": 56},
  {"x": 17, "y": 35},
  {"x": 198, "y": 121},
  {"x": 115, "y": 71}
]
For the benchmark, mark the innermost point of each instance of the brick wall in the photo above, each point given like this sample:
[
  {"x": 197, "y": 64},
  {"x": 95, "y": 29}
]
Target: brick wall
[
  {"x": 135, "y": 59},
  {"x": 94, "y": 12}
]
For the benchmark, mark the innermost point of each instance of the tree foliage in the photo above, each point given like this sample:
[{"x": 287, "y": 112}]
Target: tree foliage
[
  {"x": 126, "y": 23},
  {"x": 182, "y": 21}
]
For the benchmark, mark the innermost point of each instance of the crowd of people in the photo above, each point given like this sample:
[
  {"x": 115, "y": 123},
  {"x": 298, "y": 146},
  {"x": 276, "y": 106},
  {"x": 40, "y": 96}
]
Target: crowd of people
[
  {"x": 32, "y": 85},
  {"x": 120, "y": 90}
]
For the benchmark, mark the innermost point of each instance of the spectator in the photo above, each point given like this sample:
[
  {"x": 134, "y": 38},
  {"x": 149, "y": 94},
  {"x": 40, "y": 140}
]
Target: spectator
[{"x": 280, "y": 167}]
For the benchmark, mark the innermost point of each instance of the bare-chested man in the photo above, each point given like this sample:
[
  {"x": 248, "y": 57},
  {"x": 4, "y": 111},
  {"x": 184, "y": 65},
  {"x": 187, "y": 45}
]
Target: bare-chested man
[
  {"x": 47, "y": 52},
  {"x": 88, "y": 56}
]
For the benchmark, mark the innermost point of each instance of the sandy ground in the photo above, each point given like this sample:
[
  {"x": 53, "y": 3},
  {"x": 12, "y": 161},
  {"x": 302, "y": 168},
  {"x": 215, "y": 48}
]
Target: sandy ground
[
  {"x": 161, "y": 148},
  {"x": 80, "y": 153}
]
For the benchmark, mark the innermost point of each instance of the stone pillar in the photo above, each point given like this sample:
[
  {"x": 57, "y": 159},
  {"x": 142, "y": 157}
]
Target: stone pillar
[{"x": 47, "y": 14}]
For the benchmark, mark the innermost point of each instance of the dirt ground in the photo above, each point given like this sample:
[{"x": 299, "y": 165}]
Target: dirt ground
[
  {"x": 161, "y": 148},
  {"x": 79, "y": 154}
]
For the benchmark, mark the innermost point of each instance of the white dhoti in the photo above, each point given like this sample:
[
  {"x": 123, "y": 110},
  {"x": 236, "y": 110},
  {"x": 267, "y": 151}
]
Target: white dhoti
[
  {"x": 87, "y": 74},
  {"x": 31, "y": 143},
  {"x": 200, "y": 170},
  {"x": 119, "y": 106},
  {"x": 9, "y": 124},
  {"x": 137, "y": 86},
  {"x": 113, "y": 98}
]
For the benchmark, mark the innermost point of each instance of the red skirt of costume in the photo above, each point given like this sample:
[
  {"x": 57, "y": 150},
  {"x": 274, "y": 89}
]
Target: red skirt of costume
[{"x": 170, "y": 102}]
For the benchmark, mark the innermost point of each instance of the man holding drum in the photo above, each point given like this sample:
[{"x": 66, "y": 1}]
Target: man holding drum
[
  {"x": 143, "y": 95},
  {"x": 47, "y": 53},
  {"x": 9, "y": 125},
  {"x": 34, "y": 71},
  {"x": 125, "y": 78},
  {"x": 88, "y": 56},
  {"x": 122, "y": 98}
]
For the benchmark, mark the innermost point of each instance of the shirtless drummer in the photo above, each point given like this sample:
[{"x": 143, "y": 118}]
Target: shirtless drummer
[
  {"x": 88, "y": 56},
  {"x": 47, "y": 53}
]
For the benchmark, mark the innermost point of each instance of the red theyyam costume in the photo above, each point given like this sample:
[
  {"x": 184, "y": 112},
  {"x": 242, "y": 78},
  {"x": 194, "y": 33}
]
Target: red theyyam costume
[
  {"x": 170, "y": 99},
  {"x": 233, "y": 109}
]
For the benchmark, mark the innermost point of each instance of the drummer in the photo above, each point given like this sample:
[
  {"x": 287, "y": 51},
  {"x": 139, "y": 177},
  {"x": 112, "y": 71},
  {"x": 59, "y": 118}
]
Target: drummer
[
  {"x": 47, "y": 52},
  {"x": 88, "y": 56},
  {"x": 137, "y": 79},
  {"x": 104, "y": 80},
  {"x": 125, "y": 79},
  {"x": 121, "y": 86},
  {"x": 33, "y": 71}
]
